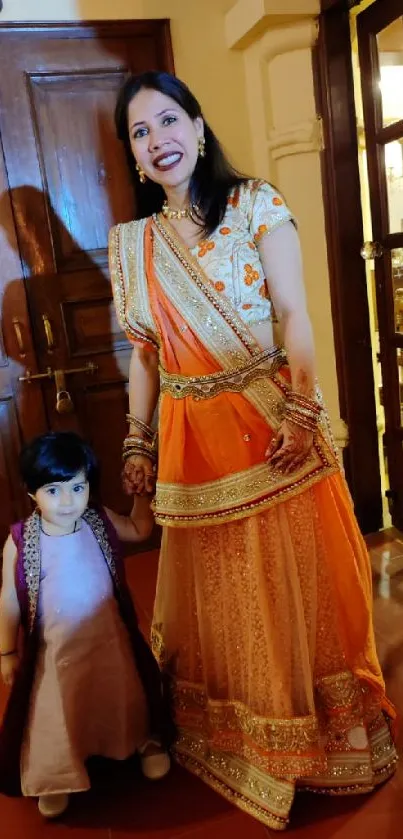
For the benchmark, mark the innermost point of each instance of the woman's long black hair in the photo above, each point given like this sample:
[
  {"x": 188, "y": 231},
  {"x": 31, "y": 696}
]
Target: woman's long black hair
[{"x": 213, "y": 177}]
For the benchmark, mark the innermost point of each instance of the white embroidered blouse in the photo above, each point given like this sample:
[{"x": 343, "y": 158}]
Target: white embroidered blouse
[{"x": 230, "y": 258}]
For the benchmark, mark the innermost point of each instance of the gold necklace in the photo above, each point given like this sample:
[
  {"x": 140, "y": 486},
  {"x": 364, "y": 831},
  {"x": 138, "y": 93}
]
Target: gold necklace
[{"x": 170, "y": 213}]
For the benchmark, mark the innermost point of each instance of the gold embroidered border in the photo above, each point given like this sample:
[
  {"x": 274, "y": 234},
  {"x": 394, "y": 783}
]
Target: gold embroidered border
[
  {"x": 98, "y": 528},
  {"x": 235, "y": 380},
  {"x": 186, "y": 296},
  {"x": 298, "y": 736},
  {"x": 219, "y": 301},
  {"x": 342, "y": 702},
  {"x": 349, "y": 774},
  {"x": 206, "y": 750},
  {"x": 129, "y": 283},
  {"x": 138, "y": 309},
  {"x": 31, "y": 536},
  {"x": 240, "y": 494},
  {"x": 263, "y": 796},
  {"x": 267, "y": 799}
]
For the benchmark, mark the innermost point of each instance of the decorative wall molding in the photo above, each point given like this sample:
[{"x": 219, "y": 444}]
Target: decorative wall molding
[
  {"x": 299, "y": 36},
  {"x": 298, "y": 139},
  {"x": 249, "y": 19}
]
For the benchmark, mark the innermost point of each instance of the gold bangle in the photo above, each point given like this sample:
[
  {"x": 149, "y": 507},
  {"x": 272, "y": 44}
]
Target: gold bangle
[
  {"x": 303, "y": 422},
  {"x": 140, "y": 450},
  {"x": 142, "y": 426},
  {"x": 138, "y": 441},
  {"x": 295, "y": 398}
]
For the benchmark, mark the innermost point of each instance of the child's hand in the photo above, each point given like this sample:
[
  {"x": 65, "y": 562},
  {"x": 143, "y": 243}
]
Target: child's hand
[{"x": 9, "y": 667}]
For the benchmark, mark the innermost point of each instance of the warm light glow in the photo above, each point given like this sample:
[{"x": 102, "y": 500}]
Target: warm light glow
[
  {"x": 394, "y": 160},
  {"x": 392, "y": 92}
]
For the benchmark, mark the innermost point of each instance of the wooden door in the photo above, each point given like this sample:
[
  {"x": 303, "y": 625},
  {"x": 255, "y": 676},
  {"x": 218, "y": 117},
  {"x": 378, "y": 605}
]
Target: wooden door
[
  {"x": 63, "y": 184},
  {"x": 380, "y": 41}
]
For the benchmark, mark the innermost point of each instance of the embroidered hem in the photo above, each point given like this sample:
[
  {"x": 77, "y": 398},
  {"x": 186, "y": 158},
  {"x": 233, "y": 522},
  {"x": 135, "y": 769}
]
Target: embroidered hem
[{"x": 239, "y": 495}]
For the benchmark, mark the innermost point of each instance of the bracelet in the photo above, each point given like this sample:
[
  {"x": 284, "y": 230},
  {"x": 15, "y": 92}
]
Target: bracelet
[
  {"x": 138, "y": 446},
  {"x": 10, "y": 652},
  {"x": 303, "y": 402},
  {"x": 137, "y": 442},
  {"x": 142, "y": 426},
  {"x": 310, "y": 423}
]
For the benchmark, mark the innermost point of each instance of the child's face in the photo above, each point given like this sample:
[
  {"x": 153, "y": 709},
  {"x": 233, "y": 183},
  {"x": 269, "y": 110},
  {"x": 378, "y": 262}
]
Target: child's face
[{"x": 62, "y": 503}]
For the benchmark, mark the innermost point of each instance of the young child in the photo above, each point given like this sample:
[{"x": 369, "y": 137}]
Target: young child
[{"x": 86, "y": 683}]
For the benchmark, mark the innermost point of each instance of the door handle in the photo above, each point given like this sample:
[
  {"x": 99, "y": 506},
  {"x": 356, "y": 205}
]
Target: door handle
[
  {"x": 29, "y": 377},
  {"x": 19, "y": 337},
  {"x": 64, "y": 402},
  {"x": 50, "y": 341}
]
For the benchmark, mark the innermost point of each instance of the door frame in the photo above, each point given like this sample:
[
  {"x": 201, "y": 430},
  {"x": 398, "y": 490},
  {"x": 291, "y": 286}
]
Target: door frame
[{"x": 348, "y": 283}]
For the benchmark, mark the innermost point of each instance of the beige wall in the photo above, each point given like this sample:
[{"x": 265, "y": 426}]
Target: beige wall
[{"x": 286, "y": 144}]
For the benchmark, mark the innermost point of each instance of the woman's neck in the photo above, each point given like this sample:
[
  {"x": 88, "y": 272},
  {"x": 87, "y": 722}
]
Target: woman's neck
[{"x": 178, "y": 197}]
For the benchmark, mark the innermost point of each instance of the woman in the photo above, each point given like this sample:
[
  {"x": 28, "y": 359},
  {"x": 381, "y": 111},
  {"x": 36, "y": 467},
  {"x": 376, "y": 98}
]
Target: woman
[{"x": 263, "y": 607}]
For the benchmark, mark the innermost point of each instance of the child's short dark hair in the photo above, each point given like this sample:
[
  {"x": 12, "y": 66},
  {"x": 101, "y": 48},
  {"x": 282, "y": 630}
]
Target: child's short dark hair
[{"x": 57, "y": 456}]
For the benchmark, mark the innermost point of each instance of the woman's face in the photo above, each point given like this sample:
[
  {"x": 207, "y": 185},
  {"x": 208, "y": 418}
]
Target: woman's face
[{"x": 163, "y": 138}]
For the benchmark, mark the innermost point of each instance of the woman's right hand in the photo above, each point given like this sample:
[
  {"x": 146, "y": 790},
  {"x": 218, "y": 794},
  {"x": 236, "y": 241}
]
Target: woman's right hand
[
  {"x": 139, "y": 475},
  {"x": 9, "y": 667}
]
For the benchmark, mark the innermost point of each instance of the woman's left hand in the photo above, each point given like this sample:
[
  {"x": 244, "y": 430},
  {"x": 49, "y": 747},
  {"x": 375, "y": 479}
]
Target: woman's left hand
[{"x": 290, "y": 446}]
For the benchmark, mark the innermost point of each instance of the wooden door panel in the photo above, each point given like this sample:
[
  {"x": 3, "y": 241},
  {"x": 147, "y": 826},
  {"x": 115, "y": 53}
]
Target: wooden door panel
[
  {"x": 67, "y": 183},
  {"x": 103, "y": 407},
  {"x": 83, "y": 185},
  {"x": 21, "y": 411},
  {"x": 14, "y": 500},
  {"x": 91, "y": 326}
]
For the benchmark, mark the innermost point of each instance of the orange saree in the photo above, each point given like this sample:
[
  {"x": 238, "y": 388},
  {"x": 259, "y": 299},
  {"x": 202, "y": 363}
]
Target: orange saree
[{"x": 263, "y": 607}]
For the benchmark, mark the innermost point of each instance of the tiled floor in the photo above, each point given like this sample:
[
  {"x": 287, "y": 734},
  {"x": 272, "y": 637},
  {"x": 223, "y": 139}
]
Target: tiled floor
[{"x": 122, "y": 805}]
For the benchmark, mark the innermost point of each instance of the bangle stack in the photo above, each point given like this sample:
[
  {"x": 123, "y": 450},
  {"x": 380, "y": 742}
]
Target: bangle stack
[
  {"x": 302, "y": 411},
  {"x": 144, "y": 443}
]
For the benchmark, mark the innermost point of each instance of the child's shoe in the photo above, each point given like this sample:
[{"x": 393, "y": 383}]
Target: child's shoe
[
  {"x": 155, "y": 762},
  {"x": 52, "y": 806}
]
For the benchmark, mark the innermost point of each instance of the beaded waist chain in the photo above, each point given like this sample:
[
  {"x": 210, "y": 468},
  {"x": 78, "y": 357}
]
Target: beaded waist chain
[{"x": 267, "y": 363}]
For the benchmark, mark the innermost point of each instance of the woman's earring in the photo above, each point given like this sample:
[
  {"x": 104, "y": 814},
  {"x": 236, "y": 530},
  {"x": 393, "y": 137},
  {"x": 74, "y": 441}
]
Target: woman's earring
[
  {"x": 141, "y": 174},
  {"x": 202, "y": 147}
]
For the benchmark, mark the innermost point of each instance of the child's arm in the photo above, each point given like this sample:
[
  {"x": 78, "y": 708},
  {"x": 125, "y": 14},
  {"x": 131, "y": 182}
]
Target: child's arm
[
  {"x": 138, "y": 526},
  {"x": 10, "y": 614}
]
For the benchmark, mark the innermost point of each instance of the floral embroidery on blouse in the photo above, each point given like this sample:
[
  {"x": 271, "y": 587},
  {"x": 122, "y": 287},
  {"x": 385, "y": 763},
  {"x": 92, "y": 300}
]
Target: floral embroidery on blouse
[{"x": 230, "y": 256}]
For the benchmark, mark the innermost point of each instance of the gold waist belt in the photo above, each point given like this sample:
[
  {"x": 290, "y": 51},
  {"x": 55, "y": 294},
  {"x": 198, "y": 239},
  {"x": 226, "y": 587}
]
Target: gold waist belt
[{"x": 235, "y": 380}]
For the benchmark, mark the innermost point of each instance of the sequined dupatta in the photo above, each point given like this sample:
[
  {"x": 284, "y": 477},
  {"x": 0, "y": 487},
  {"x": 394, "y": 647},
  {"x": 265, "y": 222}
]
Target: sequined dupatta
[{"x": 222, "y": 397}]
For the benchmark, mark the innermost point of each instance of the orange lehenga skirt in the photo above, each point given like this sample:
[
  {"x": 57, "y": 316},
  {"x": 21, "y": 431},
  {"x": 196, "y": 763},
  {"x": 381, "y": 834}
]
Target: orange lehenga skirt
[
  {"x": 263, "y": 611},
  {"x": 264, "y": 625}
]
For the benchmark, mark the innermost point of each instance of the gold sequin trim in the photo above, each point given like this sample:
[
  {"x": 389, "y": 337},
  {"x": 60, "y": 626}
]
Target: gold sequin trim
[
  {"x": 201, "y": 317},
  {"x": 31, "y": 536},
  {"x": 130, "y": 286},
  {"x": 236, "y": 496},
  {"x": 267, "y": 799},
  {"x": 195, "y": 272},
  {"x": 233, "y": 380},
  {"x": 98, "y": 528}
]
